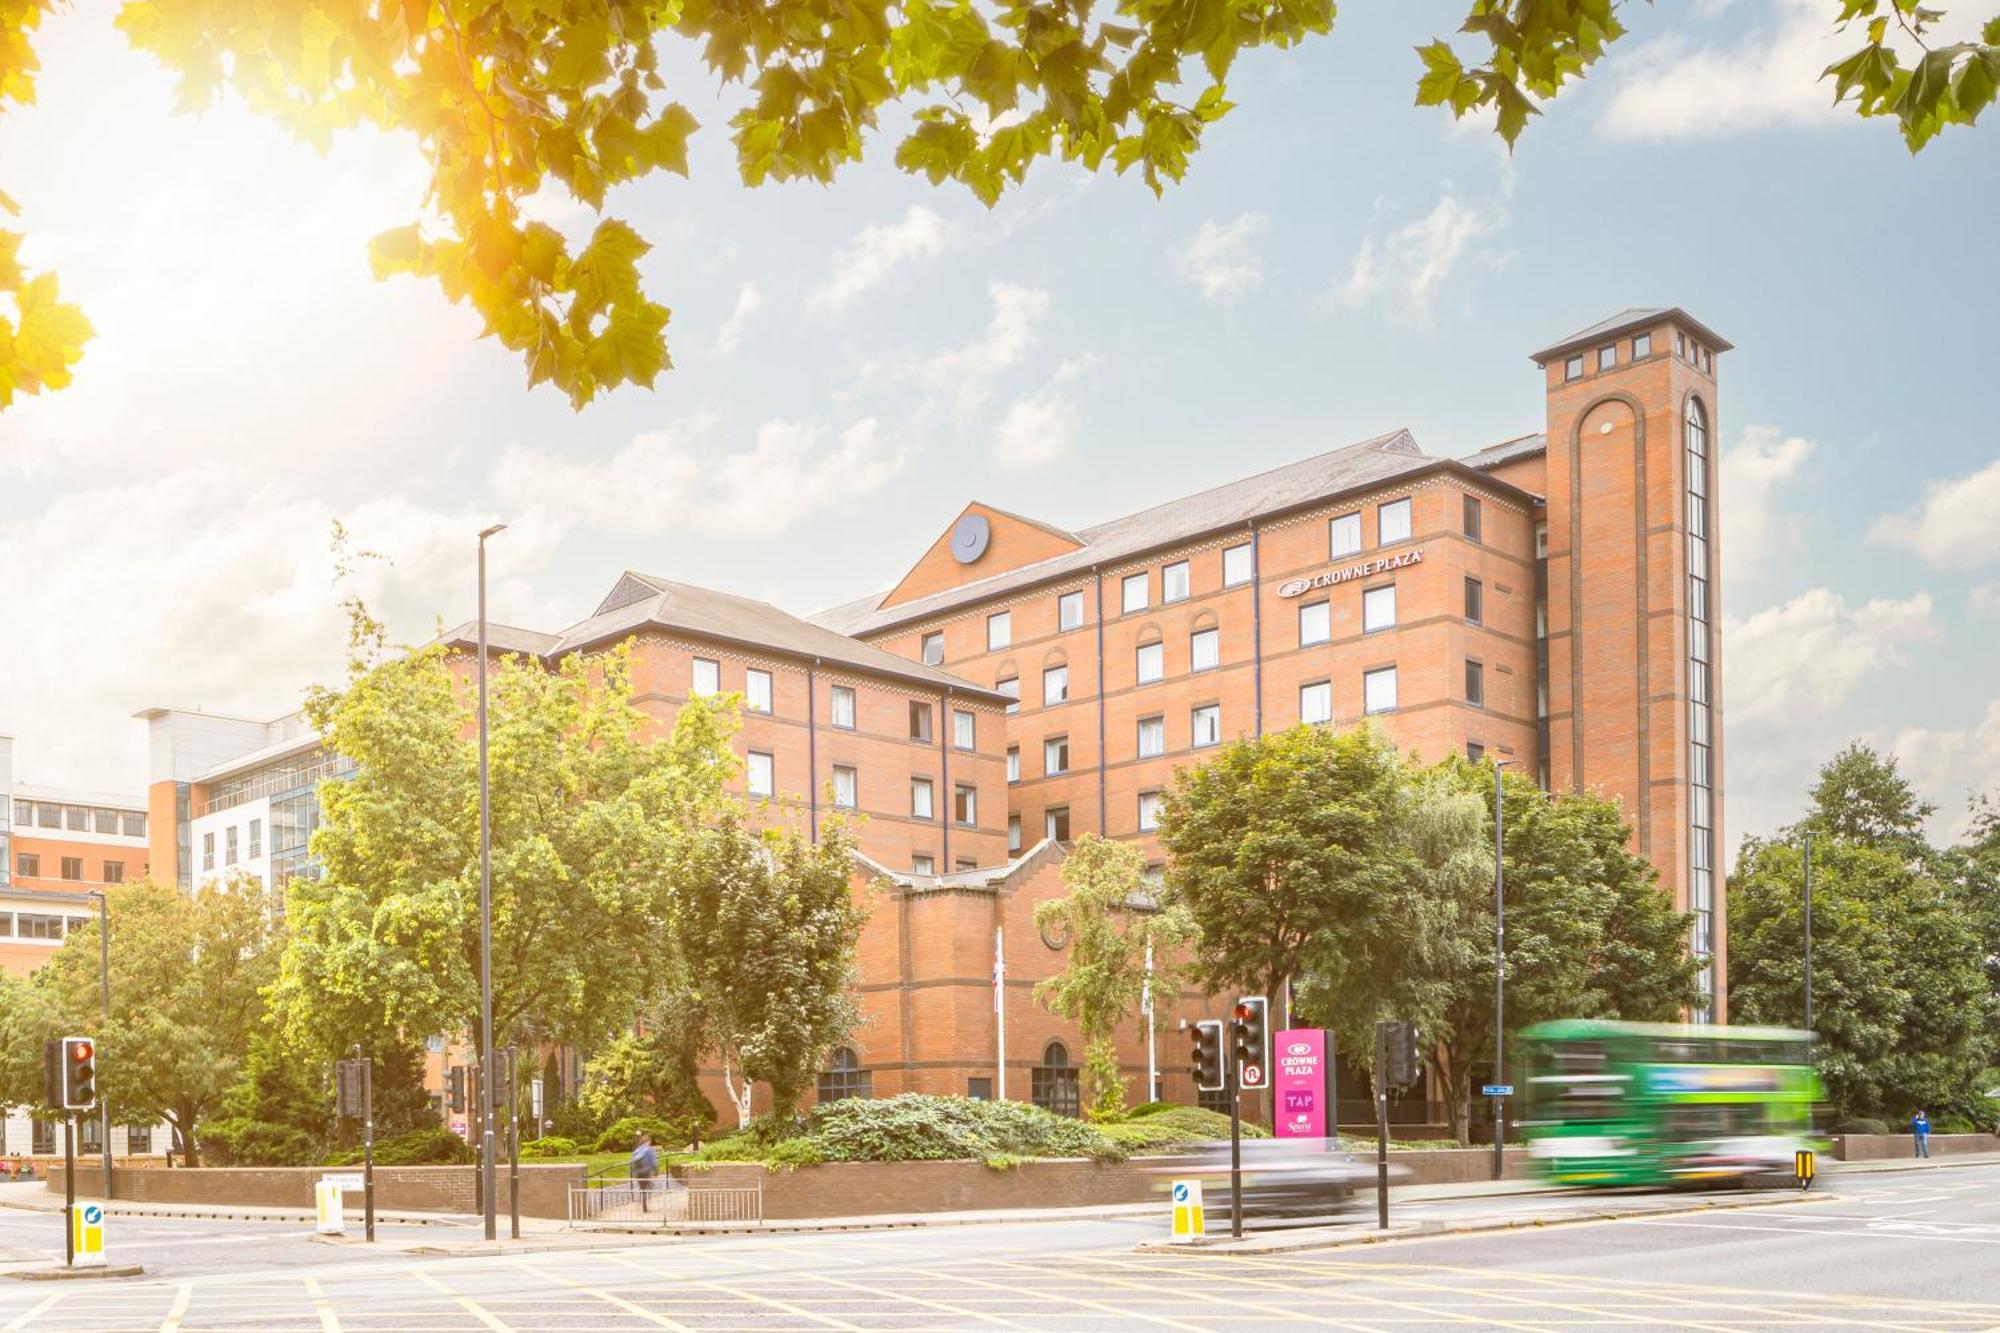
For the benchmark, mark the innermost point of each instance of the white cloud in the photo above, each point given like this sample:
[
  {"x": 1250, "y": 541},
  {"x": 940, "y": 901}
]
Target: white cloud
[
  {"x": 749, "y": 300},
  {"x": 1036, "y": 431},
  {"x": 690, "y": 474},
  {"x": 874, "y": 256},
  {"x": 961, "y": 378},
  {"x": 1805, "y": 657},
  {"x": 1219, "y": 258},
  {"x": 1955, "y": 527},
  {"x": 1948, "y": 766},
  {"x": 1767, "y": 74},
  {"x": 1407, "y": 269},
  {"x": 1984, "y": 599},
  {"x": 1755, "y": 475}
]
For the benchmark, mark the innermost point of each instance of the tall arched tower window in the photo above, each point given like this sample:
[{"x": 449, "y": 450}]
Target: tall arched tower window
[{"x": 1701, "y": 728}]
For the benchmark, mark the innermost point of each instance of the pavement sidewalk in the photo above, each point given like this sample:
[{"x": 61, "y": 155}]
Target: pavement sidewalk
[{"x": 34, "y": 1196}]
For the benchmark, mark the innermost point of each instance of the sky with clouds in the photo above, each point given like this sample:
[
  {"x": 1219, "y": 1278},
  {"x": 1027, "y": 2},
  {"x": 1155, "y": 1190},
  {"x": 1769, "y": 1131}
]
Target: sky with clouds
[{"x": 855, "y": 362}]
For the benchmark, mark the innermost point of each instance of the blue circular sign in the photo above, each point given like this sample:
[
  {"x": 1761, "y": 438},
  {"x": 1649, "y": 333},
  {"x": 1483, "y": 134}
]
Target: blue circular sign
[
  {"x": 1180, "y": 1192},
  {"x": 92, "y": 1214}
]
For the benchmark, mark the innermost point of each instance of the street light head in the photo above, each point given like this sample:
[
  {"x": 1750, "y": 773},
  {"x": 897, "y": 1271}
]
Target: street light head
[{"x": 488, "y": 532}]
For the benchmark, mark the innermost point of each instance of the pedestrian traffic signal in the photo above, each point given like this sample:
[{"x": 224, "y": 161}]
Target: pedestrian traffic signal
[
  {"x": 454, "y": 1097},
  {"x": 1252, "y": 1045},
  {"x": 350, "y": 1088},
  {"x": 1208, "y": 1072},
  {"x": 1403, "y": 1068},
  {"x": 79, "y": 1074}
]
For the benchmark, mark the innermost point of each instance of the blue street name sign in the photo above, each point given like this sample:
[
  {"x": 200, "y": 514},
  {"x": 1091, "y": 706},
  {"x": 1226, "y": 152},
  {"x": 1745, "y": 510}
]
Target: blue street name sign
[{"x": 1497, "y": 1090}]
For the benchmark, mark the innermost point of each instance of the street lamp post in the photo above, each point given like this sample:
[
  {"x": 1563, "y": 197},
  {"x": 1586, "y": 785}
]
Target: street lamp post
[
  {"x": 1499, "y": 973},
  {"x": 1809, "y": 838},
  {"x": 486, "y": 1176},
  {"x": 104, "y": 982}
]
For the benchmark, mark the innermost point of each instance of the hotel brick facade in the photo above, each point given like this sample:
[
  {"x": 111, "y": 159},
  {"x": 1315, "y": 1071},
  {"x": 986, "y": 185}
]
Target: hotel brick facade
[{"x": 1549, "y": 601}]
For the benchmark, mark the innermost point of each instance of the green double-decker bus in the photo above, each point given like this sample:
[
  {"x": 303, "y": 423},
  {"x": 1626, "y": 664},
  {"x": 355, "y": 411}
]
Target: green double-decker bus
[{"x": 1664, "y": 1104}]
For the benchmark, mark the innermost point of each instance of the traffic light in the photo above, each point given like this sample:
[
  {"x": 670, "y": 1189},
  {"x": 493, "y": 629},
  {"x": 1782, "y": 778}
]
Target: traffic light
[
  {"x": 350, "y": 1089},
  {"x": 1253, "y": 1042},
  {"x": 1402, "y": 1070},
  {"x": 79, "y": 1074},
  {"x": 1208, "y": 1075},
  {"x": 454, "y": 1097}
]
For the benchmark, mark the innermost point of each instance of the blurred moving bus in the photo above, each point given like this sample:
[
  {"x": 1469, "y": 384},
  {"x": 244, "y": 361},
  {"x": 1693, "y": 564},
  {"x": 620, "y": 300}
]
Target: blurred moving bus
[{"x": 1661, "y": 1103}]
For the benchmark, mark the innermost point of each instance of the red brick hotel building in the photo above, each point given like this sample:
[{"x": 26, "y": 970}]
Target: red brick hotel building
[{"x": 1549, "y": 601}]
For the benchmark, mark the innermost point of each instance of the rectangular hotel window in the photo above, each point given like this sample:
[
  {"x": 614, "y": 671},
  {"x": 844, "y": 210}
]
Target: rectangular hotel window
[
  {"x": 1205, "y": 650},
  {"x": 24, "y": 813},
  {"x": 1055, "y": 685},
  {"x": 1013, "y": 763},
  {"x": 843, "y": 707},
  {"x": 762, "y": 779},
  {"x": 1152, "y": 662},
  {"x": 1236, "y": 565},
  {"x": 1055, "y": 755},
  {"x": 1474, "y": 752},
  {"x": 1205, "y": 725},
  {"x": 1642, "y": 345},
  {"x": 1152, "y": 736},
  {"x": 1475, "y": 600},
  {"x": 72, "y": 866},
  {"x": 1607, "y": 357},
  {"x": 999, "y": 630},
  {"x": 256, "y": 839},
  {"x": 757, "y": 690},
  {"x": 1011, "y": 687},
  {"x": 208, "y": 850},
  {"x": 32, "y": 926},
  {"x": 965, "y": 803},
  {"x": 48, "y": 816},
  {"x": 28, "y": 865},
  {"x": 933, "y": 648},
  {"x": 1174, "y": 582},
  {"x": 1573, "y": 368},
  {"x": 1013, "y": 833},
  {"x": 1343, "y": 535},
  {"x": 79, "y": 818},
  {"x": 1378, "y": 608},
  {"x": 1542, "y": 540},
  {"x": 1475, "y": 683},
  {"x": 1472, "y": 524},
  {"x": 106, "y": 820},
  {"x": 707, "y": 678},
  {"x": 1541, "y": 698},
  {"x": 963, "y": 729},
  {"x": 1136, "y": 592},
  {"x": 1069, "y": 610},
  {"x": 1150, "y": 805},
  {"x": 229, "y": 845},
  {"x": 1056, "y": 823},
  {"x": 920, "y": 798},
  {"x": 1315, "y": 623},
  {"x": 114, "y": 872},
  {"x": 846, "y": 787},
  {"x": 1378, "y": 690},
  {"x": 921, "y": 864},
  {"x": 920, "y": 721},
  {"x": 1316, "y": 702},
  {"x": 1392, "y": 522}
]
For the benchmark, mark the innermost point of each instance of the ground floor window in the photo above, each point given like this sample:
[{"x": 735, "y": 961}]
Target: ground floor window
[
  {"x": 138, "y": 1138},
  {"x": 45, "y": 1142},
  {"x": 844, "y": 1076},
  {"x": 1054, "y": 1086}
]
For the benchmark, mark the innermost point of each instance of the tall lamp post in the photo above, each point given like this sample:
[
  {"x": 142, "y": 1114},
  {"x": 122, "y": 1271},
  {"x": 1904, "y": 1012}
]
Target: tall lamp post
[
  {"x": 104, "y": 981},
  {"x": 1809, "y": 838},
  {"x": 487, "y": 1202},
  {"x": 1499, "y": 973}
]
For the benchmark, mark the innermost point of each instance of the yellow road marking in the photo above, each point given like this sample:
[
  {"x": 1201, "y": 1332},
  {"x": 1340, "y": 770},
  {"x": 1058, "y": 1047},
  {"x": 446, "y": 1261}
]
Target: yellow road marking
[
  {"x": 886, "y": 1294},
  {"x": 183, "y": 1292},
  {"x": 328, "y": 1321},
  {"x": 605, "y": 1296},
  {"x": 1062, "y": 1297},
  {"x": 466, "y": 1303},
  {"x": 21, "y": 1320}
]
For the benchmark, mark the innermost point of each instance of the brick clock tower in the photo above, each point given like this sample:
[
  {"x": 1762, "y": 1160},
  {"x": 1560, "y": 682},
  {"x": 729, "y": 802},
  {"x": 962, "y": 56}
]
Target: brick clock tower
[{"x": 1634, "y": 674}]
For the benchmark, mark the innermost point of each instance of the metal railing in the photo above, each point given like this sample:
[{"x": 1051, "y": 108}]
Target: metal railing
[{"x": 662, "y": 1201}]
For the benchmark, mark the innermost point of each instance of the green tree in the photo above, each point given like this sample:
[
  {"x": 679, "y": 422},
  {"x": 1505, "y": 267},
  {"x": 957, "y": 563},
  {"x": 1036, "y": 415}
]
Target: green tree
[
  {"x": 1860, "y": 796},
  {"x": 587, "y": 819},
  {"x": 187, "y": 978},
  {"x": 279, "y": 1112},
  {"x": 766, "y": 926},
  {"x": 651, "y": 1073},
  {"x": 1281, "y": 849},
  {"x": 1113, "y": 928}
]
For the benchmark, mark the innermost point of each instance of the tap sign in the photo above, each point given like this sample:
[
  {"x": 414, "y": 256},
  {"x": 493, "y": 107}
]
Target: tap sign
[{"x": 1301, "y": 1084}]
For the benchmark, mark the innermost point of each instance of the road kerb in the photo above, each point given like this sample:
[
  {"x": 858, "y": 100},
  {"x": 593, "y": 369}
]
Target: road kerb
[{"x": 55, "y": 1272}]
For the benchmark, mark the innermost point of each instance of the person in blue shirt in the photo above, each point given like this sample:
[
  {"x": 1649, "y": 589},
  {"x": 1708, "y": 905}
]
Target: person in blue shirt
[
  {"x": 645, "y": 1166},
  {"x": 1920, "y": 1129}
]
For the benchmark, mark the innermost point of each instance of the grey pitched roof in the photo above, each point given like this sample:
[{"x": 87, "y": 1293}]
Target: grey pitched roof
[
  {"x": 1630, "y": 318},
  {"x": 502, "y": 639},
  {"x": 640, "y": 602},
  {"x": 1366, "y": 463},
  {"x": 1521, "y": 446}
]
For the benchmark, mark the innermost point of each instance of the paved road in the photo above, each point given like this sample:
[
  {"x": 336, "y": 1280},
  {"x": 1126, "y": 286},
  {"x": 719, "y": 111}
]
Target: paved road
[{"x": 1902, "y": 1251}]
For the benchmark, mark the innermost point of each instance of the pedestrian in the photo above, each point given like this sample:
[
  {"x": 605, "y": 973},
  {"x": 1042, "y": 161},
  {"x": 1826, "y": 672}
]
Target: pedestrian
[
  {"x": 645, "y": 1165},
  {"x": 1920, "y": 1130}
]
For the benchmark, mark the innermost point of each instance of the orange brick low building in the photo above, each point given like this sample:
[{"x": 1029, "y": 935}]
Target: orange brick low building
[{"x": 1549, "y": 601}]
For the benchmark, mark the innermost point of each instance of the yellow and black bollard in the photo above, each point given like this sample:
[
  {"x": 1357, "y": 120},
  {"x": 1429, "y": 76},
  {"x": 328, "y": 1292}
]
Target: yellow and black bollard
[{"x": 1803, "y": 1167}]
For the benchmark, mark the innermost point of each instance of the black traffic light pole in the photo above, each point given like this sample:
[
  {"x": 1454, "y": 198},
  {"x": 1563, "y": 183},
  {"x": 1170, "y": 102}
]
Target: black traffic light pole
[
  {"x": 368, "y": 1147},
  {"x": 1234, "y": 1086},
  {"x": 1382, "y": 1123},
  {"x": 69, "y": 1189},
  {"x": 513, "y": 1146}
]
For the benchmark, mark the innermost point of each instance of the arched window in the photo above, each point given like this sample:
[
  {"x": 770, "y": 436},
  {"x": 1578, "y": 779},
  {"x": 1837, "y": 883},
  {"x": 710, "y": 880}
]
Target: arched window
[
  {"x": 844, "y": 1076},
  {"x": 1054, "y": 1085},
  {"x": 1700, "y": 684}
]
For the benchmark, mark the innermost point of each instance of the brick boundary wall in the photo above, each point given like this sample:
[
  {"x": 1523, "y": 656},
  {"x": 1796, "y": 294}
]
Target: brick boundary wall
[
  {"x": 445, "y": 1189},
  {"x": 1877, "y": 1147}
]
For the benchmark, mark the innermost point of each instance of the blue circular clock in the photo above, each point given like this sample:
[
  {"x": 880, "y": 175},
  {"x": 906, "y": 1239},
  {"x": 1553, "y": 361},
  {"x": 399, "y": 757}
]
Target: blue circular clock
[{"x": 969, "y": 538}]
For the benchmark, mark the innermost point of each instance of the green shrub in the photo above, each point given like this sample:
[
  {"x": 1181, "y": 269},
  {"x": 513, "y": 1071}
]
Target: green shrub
[
  {"x": 918, "y": 1128},
  {"x": 624, "y": 1134},
  {"x": 1862, "y": 1125},
  {"x": 550, "y": 1145},
  {"x": 1952, "y": 1123},
  {"x": 1168, "y": 1127},
  {"x": 801, "y": 1151},
  {"x": 1149, "y": 1108},
  {"x": 241, "y": 1141},
  {"x": 436, "y": 1146}
]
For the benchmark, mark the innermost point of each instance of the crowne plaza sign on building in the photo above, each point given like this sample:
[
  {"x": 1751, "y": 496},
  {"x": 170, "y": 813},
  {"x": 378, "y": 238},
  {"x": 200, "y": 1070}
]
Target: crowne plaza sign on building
[{"x": 1327, "y": 578}]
